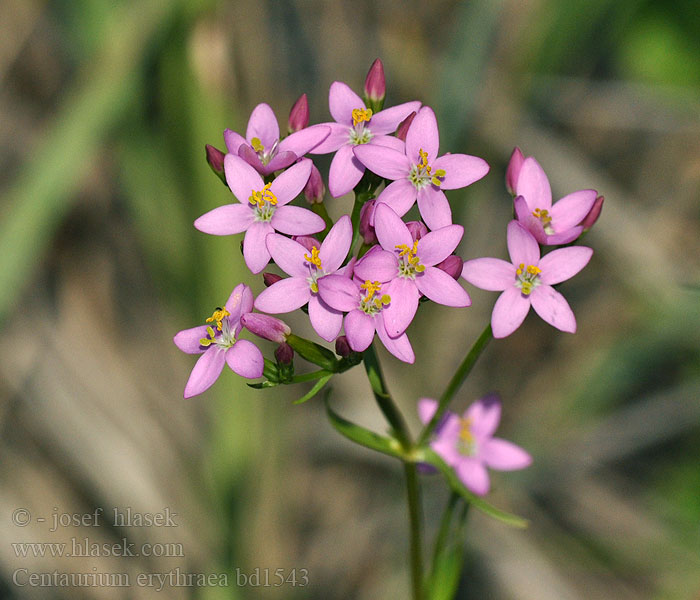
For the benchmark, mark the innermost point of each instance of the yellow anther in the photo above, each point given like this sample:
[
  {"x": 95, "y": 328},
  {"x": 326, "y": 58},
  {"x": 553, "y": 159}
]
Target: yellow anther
[
  {"x": 520, "y": 269},
  {"x": 386, "y": 299},
  {"x": 423, "y": 159},
  {"x": 533, "y": 270},
  {"x": 543, "y": 215},
  {"x": 218, "y": 316},
  {"x": 264, "y": 195},
  {"x": 361, "y": 114},
  {"x": 314, "y": 259},
  {"x": 257, "y": 145},
  {"x": 372, "y": 287},
  {"x": 526, "y": 288},
  {"x": 465, "y": 433}
]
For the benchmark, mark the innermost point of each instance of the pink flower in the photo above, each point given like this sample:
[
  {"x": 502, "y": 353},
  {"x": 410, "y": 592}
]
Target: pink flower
[
  {"x": 262, "y": 148},
  {"x": 407, "y": 268},
  {"x": 262, "y": 209},
  {"x": 418, "y": 173},
  {"x": 356, "y": 125},
  {"x": 527, "y": 281},
  {"x": 365, "y": 304},
  {"x": 467, "y": 444},
  {"x": 219, "y": 343},
  {"x": 550, "y": 224},
  {"x": 306, "y": 267}
]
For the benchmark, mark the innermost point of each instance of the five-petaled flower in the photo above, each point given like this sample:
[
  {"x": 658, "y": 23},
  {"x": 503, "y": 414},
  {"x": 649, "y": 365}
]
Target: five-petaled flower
[
  {"x": 528, "y": 280},
  {"x": 467, "y": 444},
  {"x": 218, "y": 343}
]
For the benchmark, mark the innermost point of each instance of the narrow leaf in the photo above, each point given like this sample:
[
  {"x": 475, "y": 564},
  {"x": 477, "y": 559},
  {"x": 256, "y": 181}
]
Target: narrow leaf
[{"x": 314, "y": 390}]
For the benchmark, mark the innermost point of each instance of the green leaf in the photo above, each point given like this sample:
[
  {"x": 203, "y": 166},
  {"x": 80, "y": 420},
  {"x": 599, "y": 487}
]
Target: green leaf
[
  {"x": 444, "y": 579},
  {"x": 315, "y": 390},
  {"x": 364, "y": 437},
  {"x": 479, "y": 503}
]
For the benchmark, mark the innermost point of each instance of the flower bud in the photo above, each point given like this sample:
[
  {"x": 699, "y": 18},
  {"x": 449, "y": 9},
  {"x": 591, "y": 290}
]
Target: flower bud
[
  {"x": 270, "y": 278},
  {"x": 284, "y": 354},
  {"x": 452, "y": 265},
  {"x": 215, "y": 158},
  {"x": 299, "y": 115},
  {"x": 342, "y": 347},
  {"x": 314, "y": 190},
  {"x": 366, "y": 229},
  {"x": 402, "y": 129},
  {"x": 375, "y": 86},
  {"x": 266, "y": 327},
  {"x": 417, "y": 230},
  {"x": 590, "y": 219},
  {"x": 513, "y": 171},
  {"x": 307, "y": 241}
]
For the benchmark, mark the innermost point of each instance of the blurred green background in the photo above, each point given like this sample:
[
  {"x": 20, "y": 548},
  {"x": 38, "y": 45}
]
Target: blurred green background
[{"x": 105, "y": 107}]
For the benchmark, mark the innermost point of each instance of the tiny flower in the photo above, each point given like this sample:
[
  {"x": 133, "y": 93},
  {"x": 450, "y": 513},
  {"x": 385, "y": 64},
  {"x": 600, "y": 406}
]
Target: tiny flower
[
  {"x": 375, "y": 85},
  {"x": 365, "y": 304},
  {"x": 418, "y": 173},
  {"x": 406, "y": 267},
  {"x": 527, "y": 281},
  {"x": 402, "y": 129},
  {"x": 306, "y": 268},
  {"x": 262, "y": 147},
  {"x": 266, "y": 327},
  {"x": 593, "y": 214},
  {"x": 550, "y": 224},
  {"x": 299, "y": 115},
  {"x": 467, "y": 444},
  {"x": 356, "y": 125},
  {"x": 262, "y": 209},
  {"x": 514, "y": 165},
  {"x": 219, "y": 343},
  {"x": 314, "y": 190}
]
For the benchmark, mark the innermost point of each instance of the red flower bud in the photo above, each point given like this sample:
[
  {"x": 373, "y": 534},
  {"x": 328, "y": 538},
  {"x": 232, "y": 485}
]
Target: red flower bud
[
  {"x": 265, "y": 326},
  {"x": 284, "y": 354},
  {"x": 307, "y": 241},
  {"x": 342, "y": 347},
  {"x": 314, "y": 190},
  {"x": 452, "y": 265},
  {"x": 366, "y": 230},
  {"x": 299, "y": 115},
  {"x": 402, "y": 129},
  {"x": 215, "y": 158},
  {"x": 270, "y": 278},
  {"x": 375, "y": 85},
  {"x": 417, "y": 230},
  {"x": 590, "y": 219},
  {"x": 514, "y": 164}
]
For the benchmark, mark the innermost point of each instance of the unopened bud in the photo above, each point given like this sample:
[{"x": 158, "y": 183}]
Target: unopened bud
[
  {"x": 402, "y": 129},
  {"x": 593, "y": 214},
  {"x": 366, "y": 229},
  {"x": 270, "y": 278},
  {"x": 284, "y": 354},
  {"x": 215, "y": 158},
  {"x": 267, "y": 327},
  {"x": 314, "y": 190},
  {"x": 342, "y": 347},
  {"x": 307, "y": 241},
  {"x": 375, "y": 86},
  {"x": 299, "y": 115},
  {"x": 513, "y": 171},
  {"x": 452, "y": 265},
  {"x": 417, "y": 230}
]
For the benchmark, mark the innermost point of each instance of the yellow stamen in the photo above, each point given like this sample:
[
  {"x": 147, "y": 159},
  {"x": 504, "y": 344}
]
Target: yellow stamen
[
  {"x": 543, "y": 215},
  {"x": 361, "y": 114},
  {"x": 532, "y": 270},
  {"x": 257, "y": 145},
  {"x": 314, "y": 259},
  {"x": 218, "y": 316},
  {"x": 520, "y": 269},
  {"x": 411, "y": 255},
  {"x": 372, "y": 287},
  {"x": 264, "y": 195},
  {"x": 465, "y": 433},
  {"x": 424, "y": 161}
]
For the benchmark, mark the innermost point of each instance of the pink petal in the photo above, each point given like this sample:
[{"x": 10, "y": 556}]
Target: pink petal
[
  {"x": 503, "y": 455},
  {"x": 288, "y": 255},
  {"x": 254, "y": 249},
  {"x": 404, "y": 304},
  {"x": 342, "y": 101},
  {"x": 187, "y": 340},
  {"x": 472, "y": 473},
  {"x": 284, "y": 296},
  {"x": 441, "y": 288},
  {"x": 387, "y": 120},
  {"x": 335, "y": 247},
  {"x": 484, "y": 416},
  {"x": 562, "y": 264},
  {"x": 226, "y": 220},
  {"x": 388, "y": 141},
  {"x": 302, "y": 141},
  {"x": 233, "y": 140},
  {"x": 436, "y": 246},
  {"x": 514, "y": 165},
  {"x": 339, "y": 292},
  {"x": 345, "y": 172},
  {"x": 241, "y": 178},
  {"x": 251, "y": 157},
  {"x": 426, "y": 409},
  {"x": 359, "y": 329},
  {"x": 553, "y": 308},
  {"x": 390, "y": 229},
  {"x": 245, "y": 359},
  {"x": 339, "y": 136},
  {"x": 383, "y": 161},
  {"x": 280, "y": 161},
  {"x": 434, "y": 207},
  {"x": 564, "y": 237},
  {"x": 423, "y": 135},
  {"x": 288, "y": 185},
  {"x": 461, "y": 170},
  {"x": 522, "y": 246},
  {"x": 399, "y": 195},
  {"x": 263, "y": 125},
  {"x": 534, "y": 185},
  {"x": 377, "y": 265},
  {"x": 492, "y": 274},
  {"x": 295, "y": 220},
  {"x": 239, "y": 302},
  {"x": 325, "y": 320},
  {"x": 509, "y": 312},
  {"x": 205, "y": 372},
  {"x": 528, "y": 220},
  {"x": 572, "y": 209},
  {"x": 399, "y": 346}
]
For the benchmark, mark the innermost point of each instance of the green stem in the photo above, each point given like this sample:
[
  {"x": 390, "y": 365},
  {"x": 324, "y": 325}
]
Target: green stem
[
  {"x": 384, "y": 400},
  {"x": 456, "y": 382},
  {"x": 414, "y": 515},
  {"x": 444, "y": 530}
]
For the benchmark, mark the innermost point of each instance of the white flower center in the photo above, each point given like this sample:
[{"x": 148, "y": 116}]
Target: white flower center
[
  {"x": 372, "y": 302},
  {"x": 422, "y": 174},
  {"x": 527, "y": 279},
  {"x": 409, "y": 261}
]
